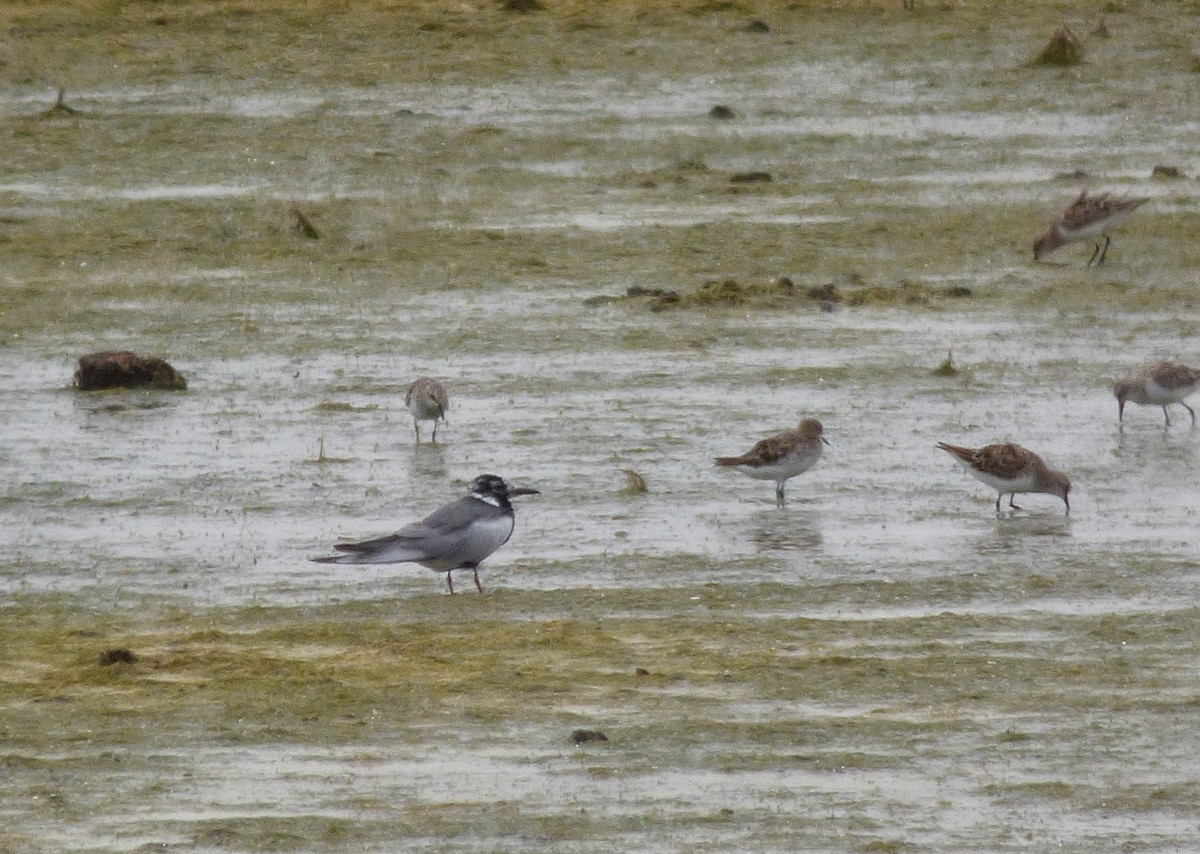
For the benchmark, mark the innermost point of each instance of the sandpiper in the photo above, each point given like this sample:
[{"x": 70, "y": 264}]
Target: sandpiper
[
  {"x": 427, "y": 401},
  {"x": 457, "y": 536},
  {"x": 1158, "y": 385},
  {"x": 1087, "y": 218},
  {"x": 781, "y": 456},
  {"x": 1009, "y": 468}
]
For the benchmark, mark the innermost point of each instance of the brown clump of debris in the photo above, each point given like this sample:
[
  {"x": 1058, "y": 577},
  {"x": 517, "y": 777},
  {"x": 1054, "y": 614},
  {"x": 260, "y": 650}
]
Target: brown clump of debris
[
  {"x": 584, "y": 736},
  {"x": 117, "y": 655},
  {"x": 783, "y": 293},
  {"x": 755, "y": 177},
  {"x": 524, "y": 7},
  {"x": 122, "y": 369},
  {"x": 1063, "y": 49}
]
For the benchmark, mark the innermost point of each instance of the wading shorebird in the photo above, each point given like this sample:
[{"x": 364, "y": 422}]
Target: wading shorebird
[
  {"x": 1009, "y": 469},
  {"x": 1087, "y": 218},
  {"x": 459, "y": 535},
  {"x": 1158, "y": 385},
  {"x": 781, "y": 456},
  {"x": 427, "y": 401}
]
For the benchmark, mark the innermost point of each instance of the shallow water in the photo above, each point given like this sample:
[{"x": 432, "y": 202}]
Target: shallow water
[{"x": 884, "y": 664}]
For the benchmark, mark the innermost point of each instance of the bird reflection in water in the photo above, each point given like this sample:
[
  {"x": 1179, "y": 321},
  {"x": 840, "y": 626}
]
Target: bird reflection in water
[{"x": 794, "y": 531}]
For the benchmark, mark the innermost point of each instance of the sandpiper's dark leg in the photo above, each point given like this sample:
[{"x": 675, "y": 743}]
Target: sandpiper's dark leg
[
  {"x": 779, "y": 493},
  {"x": 1012, "y": 496},
  {"x": 435, "y": 425},
  {"x": 1095, "y": 252},
  {"x": 1104, "y": 252},
  {"x": 1167, "y": 416},
  {"x": 417, "y": 430},
  {"x": 1189, "y": 409},
  {"x": 450, "y": 584},
  {"x": 998, "y": 497},
  {"x": 478, "y": 586}
]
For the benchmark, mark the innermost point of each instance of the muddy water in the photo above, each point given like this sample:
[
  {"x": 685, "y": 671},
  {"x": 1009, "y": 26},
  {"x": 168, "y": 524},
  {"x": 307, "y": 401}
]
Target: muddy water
[{"x": 884, "y": 664}]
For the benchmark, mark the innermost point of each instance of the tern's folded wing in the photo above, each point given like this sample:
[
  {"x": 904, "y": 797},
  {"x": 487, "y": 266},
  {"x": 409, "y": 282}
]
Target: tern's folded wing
[{"x": 409, "y": 543}]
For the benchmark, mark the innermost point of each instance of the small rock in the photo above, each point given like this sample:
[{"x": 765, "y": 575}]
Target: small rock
[
  {"x": 757, "y": 26},
  {"x": 720, "y": 111},
  {"x": 1166, "y": 172},
  {"x": 641, "y": 671}
]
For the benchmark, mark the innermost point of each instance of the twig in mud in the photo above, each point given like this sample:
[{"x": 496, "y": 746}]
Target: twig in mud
[
  {"x": 304, "y": 225},
  {"x": 60, "y": 105}
]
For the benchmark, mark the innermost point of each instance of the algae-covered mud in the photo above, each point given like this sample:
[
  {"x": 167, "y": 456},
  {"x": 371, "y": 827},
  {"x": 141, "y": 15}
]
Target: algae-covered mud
[{"x": 304, "y": 207}]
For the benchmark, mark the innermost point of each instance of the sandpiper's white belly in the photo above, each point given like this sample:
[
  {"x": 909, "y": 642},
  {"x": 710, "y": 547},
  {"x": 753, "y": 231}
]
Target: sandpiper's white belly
[
  {"x": 783, "y": 468},
  {"x": 1003, "y": 485},
  {"x": 1158, "y": 395},
  {"x": 1095, "y": 228}
]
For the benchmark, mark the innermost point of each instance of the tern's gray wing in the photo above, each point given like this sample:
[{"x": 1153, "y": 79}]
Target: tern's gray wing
[
  {"x": 454, "y": 517},
  {"x": 460, "y": 534}
]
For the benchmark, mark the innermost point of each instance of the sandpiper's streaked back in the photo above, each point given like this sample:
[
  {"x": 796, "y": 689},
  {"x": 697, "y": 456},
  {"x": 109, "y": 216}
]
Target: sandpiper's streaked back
[
  {"x": 1009, "y": 469},
  {"x": 1158, "y": 385},
  {"x": 427, "y": 401},
  {"x": 1087, "y": 218},
  {"x": 459, "y": 535},
  {"x": 781, "y": 456}
]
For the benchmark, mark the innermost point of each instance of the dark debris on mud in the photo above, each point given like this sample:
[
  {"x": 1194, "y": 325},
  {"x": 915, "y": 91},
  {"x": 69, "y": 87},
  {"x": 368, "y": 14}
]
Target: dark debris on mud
[
  {"x": 783, "y": 293},
  {"x": 122, "y": 369},
  {"x": 1063, "y": 49},
  {"x": 117, "y": 655},
  {"x": 586, "y": 736}
]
